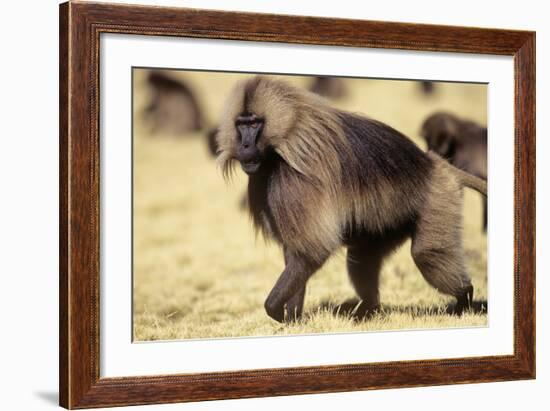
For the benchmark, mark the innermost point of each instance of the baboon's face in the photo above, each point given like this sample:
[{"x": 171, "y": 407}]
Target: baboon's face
[
  {"x": 257, "y": 126},
  {"x": 250, "y": 150}
]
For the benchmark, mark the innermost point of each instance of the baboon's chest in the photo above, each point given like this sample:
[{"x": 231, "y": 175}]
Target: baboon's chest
[{"x": 261, "y": 208}]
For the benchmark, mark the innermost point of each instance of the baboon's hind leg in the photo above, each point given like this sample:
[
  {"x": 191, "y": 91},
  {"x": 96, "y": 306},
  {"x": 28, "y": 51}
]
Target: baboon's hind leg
[
  {"x": 364, "y": 261},
  {"x": 364, "y": 272},
  {"x": 437, "y": 248}
]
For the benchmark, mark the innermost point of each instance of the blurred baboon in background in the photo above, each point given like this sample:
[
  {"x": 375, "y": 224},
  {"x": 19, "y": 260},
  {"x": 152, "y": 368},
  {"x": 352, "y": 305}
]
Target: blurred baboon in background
[
  {"x": 462, "y": 142},
  {"x": 428, "y": 87},
  {"x": 173, "y": 107},
  {"x": 329, "y": 87}
]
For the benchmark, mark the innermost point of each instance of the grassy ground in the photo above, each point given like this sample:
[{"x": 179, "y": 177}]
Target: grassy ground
[{"x": 199, "y": 271}]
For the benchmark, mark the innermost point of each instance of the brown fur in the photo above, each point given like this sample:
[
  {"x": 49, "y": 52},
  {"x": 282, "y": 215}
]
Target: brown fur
[
  {"x": 211, "y": 141},
  {"x": 331, "y": 179},
  {"x": 463, "y": 143}
]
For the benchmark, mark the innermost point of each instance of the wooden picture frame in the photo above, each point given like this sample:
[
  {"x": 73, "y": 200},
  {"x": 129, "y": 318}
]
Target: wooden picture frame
[{"x": 80, "y": 27}]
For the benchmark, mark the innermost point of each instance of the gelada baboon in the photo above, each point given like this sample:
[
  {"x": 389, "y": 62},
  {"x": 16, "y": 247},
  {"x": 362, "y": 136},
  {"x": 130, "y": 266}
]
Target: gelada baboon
[
  {"x": 321, "y": 178},
  {"x": 173, "y": 108},
  {"x": 463, "y": 143},
  {"x": 330, "y": 87}
]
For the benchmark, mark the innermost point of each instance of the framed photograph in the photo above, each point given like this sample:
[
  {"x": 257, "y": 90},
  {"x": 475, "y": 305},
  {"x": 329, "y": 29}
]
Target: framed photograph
[{"x": 258, "y": 205}]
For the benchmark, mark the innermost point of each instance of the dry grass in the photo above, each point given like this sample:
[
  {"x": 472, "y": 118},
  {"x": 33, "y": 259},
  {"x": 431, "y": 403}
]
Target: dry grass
[{"x": 199, "y": 271}]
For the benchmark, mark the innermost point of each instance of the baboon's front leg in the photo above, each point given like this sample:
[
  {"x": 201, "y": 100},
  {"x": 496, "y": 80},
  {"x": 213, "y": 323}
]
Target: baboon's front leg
[
  {"x": 295, "y": 305},
  {"x": 290, "y": 287}
]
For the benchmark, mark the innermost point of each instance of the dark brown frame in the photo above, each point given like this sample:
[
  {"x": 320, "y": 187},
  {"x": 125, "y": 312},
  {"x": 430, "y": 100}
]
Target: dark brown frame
[{"x": 80, "y": 27}]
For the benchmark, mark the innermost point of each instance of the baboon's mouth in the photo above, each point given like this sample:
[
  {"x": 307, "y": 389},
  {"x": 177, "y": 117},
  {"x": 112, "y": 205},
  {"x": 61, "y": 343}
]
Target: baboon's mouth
[{"x": 250, "y": 167}]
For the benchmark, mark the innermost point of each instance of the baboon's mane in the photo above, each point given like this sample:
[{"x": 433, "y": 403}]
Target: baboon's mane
[{"x": 337, "y": 169}]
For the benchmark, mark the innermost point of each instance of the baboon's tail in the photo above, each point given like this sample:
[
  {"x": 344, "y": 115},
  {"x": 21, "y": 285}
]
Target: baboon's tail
[
  {"x": 469, "y": 180},
  {"x": 466, "y": 179}
]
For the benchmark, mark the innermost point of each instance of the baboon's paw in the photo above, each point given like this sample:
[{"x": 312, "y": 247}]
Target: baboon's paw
[{"x": 464, "y": 301}]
